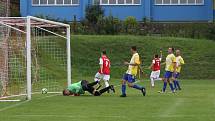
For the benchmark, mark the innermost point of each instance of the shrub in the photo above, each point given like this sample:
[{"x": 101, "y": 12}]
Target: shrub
[
  {"x": 93, "y": 12},
  {"x": 112, "y": 25},
  {"x": 130, "y": 24}
]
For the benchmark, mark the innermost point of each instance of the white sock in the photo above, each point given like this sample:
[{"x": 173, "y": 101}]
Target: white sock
[
  {"x": 106, "y": 83},
  {"x": 96, "y": 79},
  {"x": 152, "y": 82}
]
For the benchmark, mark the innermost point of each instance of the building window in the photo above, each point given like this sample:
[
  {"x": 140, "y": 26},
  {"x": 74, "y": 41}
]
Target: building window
[
  {"x": 112, "y": 1},
  {"x": 200, "y": 2},
  {"x": 117, "y": 2},
  {"x": 51, "y": 2},
  {"x": 175, "y": 2},
  {"x": 35, "y": 2},
  {"x": 96, "y": 2},
  {"x": 136, "y": 1},
  {"x": 59, "y": 2},
  {"x": 191, "y": 1},
  {"x": 158, "y": 2},
  {"x": 183, "y": 2},
  {"x": 75, "y": 2},
  {"x": 179, "y": 2},
  {"x": 128, "y": 1},
  {"x": 44, "y": 2},
  {"x": 104, "y": 2},
  {"x": 67, "y": 2},
  {"x": 121, "y": 2},
  {"x": 55, "y": 2}
]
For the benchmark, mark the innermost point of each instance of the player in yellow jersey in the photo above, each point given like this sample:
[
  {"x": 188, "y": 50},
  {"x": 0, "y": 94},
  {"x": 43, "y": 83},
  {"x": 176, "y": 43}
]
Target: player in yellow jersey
[
  {"x": 170, "y": 69},
  {"x": 131, "y": 73},
  {"x": 179, "y": 63}
]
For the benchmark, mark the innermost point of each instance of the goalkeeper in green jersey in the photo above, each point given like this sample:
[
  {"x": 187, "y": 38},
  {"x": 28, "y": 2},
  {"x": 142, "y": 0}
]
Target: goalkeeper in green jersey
[{"x": 80, "y": 87}]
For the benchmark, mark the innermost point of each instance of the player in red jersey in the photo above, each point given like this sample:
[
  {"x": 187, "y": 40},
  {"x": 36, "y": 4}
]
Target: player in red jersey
[
  {"x": 155, "y": 66},
  {"x": 104, "y": 71}
]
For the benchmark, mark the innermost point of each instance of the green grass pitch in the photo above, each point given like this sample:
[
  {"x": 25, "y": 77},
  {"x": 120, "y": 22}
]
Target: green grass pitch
[{"x": 196, "y": 102}]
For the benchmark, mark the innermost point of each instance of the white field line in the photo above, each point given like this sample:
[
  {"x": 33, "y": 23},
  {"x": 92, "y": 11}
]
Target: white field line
[
  {"x": 12, "y": 106},
  {"x": 110, "y": 116},
  {"x": 171, "y": 110},
  {"x": 18, "y": 104},
  {"x": 67, "y": 116},
  {"x": 47, "y": 97},
  {"x": 10, "y": 100}
]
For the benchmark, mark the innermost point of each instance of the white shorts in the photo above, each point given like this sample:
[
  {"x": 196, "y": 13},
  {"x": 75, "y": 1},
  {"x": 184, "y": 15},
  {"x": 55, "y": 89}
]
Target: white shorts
[
  {"x": 99, "y": 76},
  {"x": 155, "y": 74}
]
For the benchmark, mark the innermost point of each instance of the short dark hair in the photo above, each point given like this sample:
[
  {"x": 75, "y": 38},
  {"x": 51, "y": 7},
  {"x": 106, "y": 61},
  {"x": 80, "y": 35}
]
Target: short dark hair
[
  {"x": 134, "y": 48},
  {"x": 156, "y": 56},
  {"x": 173, "y": 49},
  {"x": 64, "y": 92},
  {"x": 104, "y": 52}
]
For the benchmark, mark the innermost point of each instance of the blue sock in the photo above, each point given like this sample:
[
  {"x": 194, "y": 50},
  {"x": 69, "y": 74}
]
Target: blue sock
[
  {"x": 123, "y": 89},
  {"x": 137, "y": 87},
  {"x": 177, "y": 83},
  {"x": 171, "y": 87},
  {"x": 164, "y": 86}
]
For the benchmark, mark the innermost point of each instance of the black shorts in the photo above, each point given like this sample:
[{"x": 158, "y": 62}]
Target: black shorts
[{"x": 86, "y": 87}]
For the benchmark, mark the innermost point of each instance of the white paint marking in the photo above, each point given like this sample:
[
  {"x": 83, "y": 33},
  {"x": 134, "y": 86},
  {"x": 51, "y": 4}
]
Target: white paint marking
[
  {"x": 172, "y": 109},
  {"x": 10, "y": 100},
  {"x": 18, "y": 104},
  {"x": 12, "y": 106},
  {"x": 68, "y": 116}
]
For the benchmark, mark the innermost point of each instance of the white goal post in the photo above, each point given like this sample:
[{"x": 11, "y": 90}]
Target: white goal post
[{"x": 33, "y": 44}]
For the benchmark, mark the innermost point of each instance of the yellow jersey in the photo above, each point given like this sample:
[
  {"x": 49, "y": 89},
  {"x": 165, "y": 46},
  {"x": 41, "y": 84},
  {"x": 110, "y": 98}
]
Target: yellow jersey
[
  {"x": 170, "y": 60},
  {"x": 179, "y": 62},
  {"x": 134, "y": 60}
]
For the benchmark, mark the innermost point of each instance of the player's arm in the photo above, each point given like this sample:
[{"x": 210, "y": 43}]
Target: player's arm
[
  {"x": 182, "y": 61},
  {"x": 174, "y": 64},
  {"x": 152, "y": 64},
  {"x": 161, "y": 54},
  {"x": 136, "y": 62},
  {"x": 164, "y": 63},
  {"x": 101, "y": 64}
]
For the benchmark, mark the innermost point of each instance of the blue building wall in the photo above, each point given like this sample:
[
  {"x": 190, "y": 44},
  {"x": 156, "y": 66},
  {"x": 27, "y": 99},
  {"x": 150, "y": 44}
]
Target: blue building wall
[
  {"x": 183, "y": 12},
  {"x": 147, "y": 9}
]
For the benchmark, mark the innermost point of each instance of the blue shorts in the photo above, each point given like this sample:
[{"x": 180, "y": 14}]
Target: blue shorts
[
  {"x": 176, "y": 75},
  {"x": 128, "y": 77},
  {"x": 168, "y": 74}
]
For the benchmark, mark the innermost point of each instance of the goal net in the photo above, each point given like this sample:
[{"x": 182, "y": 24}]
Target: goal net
[{"x": 35, "y": 54}]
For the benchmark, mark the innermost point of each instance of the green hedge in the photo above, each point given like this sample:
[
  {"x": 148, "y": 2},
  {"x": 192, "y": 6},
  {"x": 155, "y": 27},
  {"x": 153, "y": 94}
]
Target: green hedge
[{"x": 198, "y": 54}]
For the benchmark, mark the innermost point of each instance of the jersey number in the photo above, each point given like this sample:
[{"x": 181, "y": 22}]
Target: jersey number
[{"x": 106, "y": 63}]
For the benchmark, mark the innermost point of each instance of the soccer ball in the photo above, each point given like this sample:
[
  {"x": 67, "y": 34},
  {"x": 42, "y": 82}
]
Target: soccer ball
[{"x": 44, "y": 91}]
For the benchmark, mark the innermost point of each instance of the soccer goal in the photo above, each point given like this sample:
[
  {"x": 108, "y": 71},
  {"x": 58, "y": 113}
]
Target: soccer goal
[{"x": 34, "y": 54}]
